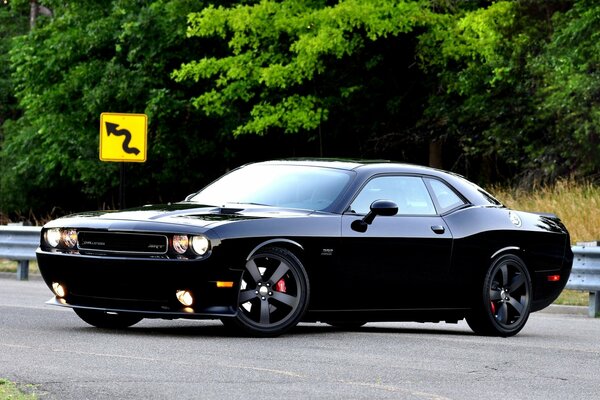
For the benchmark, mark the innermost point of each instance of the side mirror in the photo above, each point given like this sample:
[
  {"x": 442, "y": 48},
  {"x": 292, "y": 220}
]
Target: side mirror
[{"x": 385, "y": 208}]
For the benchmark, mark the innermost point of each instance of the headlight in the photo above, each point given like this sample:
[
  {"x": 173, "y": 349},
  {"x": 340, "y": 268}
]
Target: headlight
[
  {"x": 200, "y": 244},
  {"x": 69, "y": 238},
  {"x": 53, "y": 237},
  {"x": 180, "y": 243}
]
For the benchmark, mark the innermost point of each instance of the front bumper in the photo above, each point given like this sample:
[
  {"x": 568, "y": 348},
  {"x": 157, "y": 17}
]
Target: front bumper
[{"x": 144, "y": 286}]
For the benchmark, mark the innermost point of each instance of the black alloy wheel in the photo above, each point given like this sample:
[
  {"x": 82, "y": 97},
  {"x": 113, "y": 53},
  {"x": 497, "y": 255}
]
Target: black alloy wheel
[
  {"x": 503, "y": 307},
  {"x": 274, "y": 294},
  {"x": 105, "y": 320}
]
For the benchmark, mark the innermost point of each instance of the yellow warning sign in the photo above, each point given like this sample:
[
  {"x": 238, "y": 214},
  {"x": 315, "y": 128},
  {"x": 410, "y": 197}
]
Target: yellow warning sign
[{"x": 123, "y": 137}]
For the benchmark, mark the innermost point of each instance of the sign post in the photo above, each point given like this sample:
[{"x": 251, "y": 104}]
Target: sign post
[{"x": 123, "y": 138}]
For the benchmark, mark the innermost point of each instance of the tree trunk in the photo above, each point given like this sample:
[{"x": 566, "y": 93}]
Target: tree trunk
[
  {"x": 435, "y": 153},
  {"x": 34, "y": 11}
]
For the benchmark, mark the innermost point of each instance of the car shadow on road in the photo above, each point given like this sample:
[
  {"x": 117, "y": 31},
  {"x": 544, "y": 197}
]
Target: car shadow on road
[
  {"x": 212, "y": 329},
  {"x": 395, "y": 329}
]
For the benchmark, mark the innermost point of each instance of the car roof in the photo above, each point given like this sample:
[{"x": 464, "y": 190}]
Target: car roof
[
  {"x": 339, "y": 163},
  {"x": 474, "y": 194},
  {"x": 362, "y": 165}
]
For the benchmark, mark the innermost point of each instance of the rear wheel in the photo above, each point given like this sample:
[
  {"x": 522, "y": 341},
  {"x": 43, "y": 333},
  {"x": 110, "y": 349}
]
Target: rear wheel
[
  {"x": 274, "y": 294},
  {"x": 504, "y": 303},
  {"x": 103, "y": 319}
]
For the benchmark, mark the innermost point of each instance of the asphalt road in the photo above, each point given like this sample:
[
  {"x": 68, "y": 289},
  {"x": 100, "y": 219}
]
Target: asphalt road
[{"x": 556, "y": 356}]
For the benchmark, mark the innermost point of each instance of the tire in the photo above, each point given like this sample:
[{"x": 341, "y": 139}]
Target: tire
[
  {"x": 104, "y": 320},
  {"x": 503, "y": 304},
  {"x": 274, "y": 294}
]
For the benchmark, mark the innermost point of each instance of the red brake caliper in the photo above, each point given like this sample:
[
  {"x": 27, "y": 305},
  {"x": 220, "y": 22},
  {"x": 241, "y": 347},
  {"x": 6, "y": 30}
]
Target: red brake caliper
[
  {"x": 493, "y": 308},
  {"x": 280, "y": 286}
]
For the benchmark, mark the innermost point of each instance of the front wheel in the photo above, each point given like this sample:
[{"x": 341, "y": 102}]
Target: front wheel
[
  {"x": 274, "y": 294},
  {"x": 105, "y": 320},
  {"x": 503, "y": 304}
]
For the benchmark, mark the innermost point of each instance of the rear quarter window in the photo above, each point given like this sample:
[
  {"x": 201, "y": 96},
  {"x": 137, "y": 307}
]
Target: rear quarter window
[{"x": 445, "y": 197}]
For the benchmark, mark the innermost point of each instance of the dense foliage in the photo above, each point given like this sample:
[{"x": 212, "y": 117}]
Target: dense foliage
[
  {"x": 499, "y": 91},
  {"x": 338, "y": 75},
  {"x": 13, "y": 22},
  {"x": 89, "y": 59},
  {"x": 519, "y": 87}
]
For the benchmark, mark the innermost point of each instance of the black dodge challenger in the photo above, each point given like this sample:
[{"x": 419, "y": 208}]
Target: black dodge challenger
[{"x": 274, "y": 243}]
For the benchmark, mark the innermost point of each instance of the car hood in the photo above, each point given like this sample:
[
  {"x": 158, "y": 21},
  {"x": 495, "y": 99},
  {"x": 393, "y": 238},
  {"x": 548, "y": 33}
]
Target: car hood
[{"x": 189, "y": 214}]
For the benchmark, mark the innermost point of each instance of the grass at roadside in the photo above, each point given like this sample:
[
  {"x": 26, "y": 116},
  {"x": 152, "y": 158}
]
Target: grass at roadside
[
  {"x": 573, "y": 298},
  {"x": 11, "y": 266},
  {"x": 9, "y": 390},
  {"x": 577, "y": 205}
]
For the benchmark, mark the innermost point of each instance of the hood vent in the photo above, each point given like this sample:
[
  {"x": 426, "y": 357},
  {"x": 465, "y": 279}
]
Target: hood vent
[{"x": 230, "y": 211}]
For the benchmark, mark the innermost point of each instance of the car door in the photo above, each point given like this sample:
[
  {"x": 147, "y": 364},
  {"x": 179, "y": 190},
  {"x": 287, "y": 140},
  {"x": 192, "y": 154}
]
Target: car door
[{"x": 401, "y": 261}]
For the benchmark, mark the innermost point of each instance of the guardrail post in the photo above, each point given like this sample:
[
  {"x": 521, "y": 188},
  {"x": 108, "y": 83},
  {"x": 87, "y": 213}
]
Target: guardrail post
[
  {"x": 18, "y": 243},
  {"x": 594, "y": 307},
  {"x": 23, "y": 270},
  {"x": 586, "y": 273}
]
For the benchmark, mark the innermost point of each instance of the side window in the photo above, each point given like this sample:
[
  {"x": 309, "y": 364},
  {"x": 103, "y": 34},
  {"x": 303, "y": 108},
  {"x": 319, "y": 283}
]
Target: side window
[
  {"x": 408, "y": 192},
  {"x": 446, "y": 198}
]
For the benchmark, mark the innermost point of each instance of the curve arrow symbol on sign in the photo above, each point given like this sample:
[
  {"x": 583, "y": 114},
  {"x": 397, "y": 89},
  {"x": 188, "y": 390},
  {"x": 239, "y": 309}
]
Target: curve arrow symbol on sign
[{"x": 112, "y": 129}]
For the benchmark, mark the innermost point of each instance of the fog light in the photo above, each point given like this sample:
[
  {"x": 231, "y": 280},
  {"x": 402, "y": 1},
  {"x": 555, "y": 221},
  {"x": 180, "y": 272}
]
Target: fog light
[
  {"x": 185, "y": 297},
  {"x": 59, "y": 290}
]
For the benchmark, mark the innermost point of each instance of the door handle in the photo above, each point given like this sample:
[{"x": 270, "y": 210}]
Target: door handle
[{"x": 438, "y": 229}]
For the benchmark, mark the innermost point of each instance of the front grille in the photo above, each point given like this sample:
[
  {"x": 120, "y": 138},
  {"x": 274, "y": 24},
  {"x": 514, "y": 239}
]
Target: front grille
[{"x": 121, "y": 242}]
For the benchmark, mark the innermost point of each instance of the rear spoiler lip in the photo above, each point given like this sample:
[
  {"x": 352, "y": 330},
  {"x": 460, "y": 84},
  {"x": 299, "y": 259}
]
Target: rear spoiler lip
[{"x": 546, "y": 214}]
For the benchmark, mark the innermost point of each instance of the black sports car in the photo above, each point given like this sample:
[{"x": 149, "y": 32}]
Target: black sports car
[{"x": 274, "y": 243}]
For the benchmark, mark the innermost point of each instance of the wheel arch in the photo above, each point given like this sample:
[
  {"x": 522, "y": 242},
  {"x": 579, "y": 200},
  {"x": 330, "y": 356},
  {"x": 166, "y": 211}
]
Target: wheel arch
[
  {"x": 296, "y": 248},
  {"x": 515, "y": 250},
  {"x": 518, "y": 251},
  {"x": 487, "y": 258}
]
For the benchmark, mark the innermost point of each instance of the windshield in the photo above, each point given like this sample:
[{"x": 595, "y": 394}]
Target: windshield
[{"x": 289, "y": 186}]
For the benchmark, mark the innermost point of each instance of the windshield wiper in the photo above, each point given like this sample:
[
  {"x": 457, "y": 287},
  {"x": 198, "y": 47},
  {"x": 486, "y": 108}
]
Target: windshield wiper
[{"x": 248, "y": 203}]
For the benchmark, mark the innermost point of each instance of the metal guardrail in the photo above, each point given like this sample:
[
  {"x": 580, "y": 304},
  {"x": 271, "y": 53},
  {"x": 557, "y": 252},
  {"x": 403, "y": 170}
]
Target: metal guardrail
[
  {"x": 586, "y": 274},
  {"x": 19, "y": 243}
]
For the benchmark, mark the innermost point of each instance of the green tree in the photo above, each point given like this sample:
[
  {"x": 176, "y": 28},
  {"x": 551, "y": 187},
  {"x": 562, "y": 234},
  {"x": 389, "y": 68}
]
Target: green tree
[
  {"x": 478, "y": 57},
  {"x": 496, "y": 89},
  {"x": 568, "y": 99},
  {"x": 91, "y": 58},
  {"x": 13, "y": 22},
  {"x": 517, "y": 88},
  {"x": 332, "y": 74}
]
